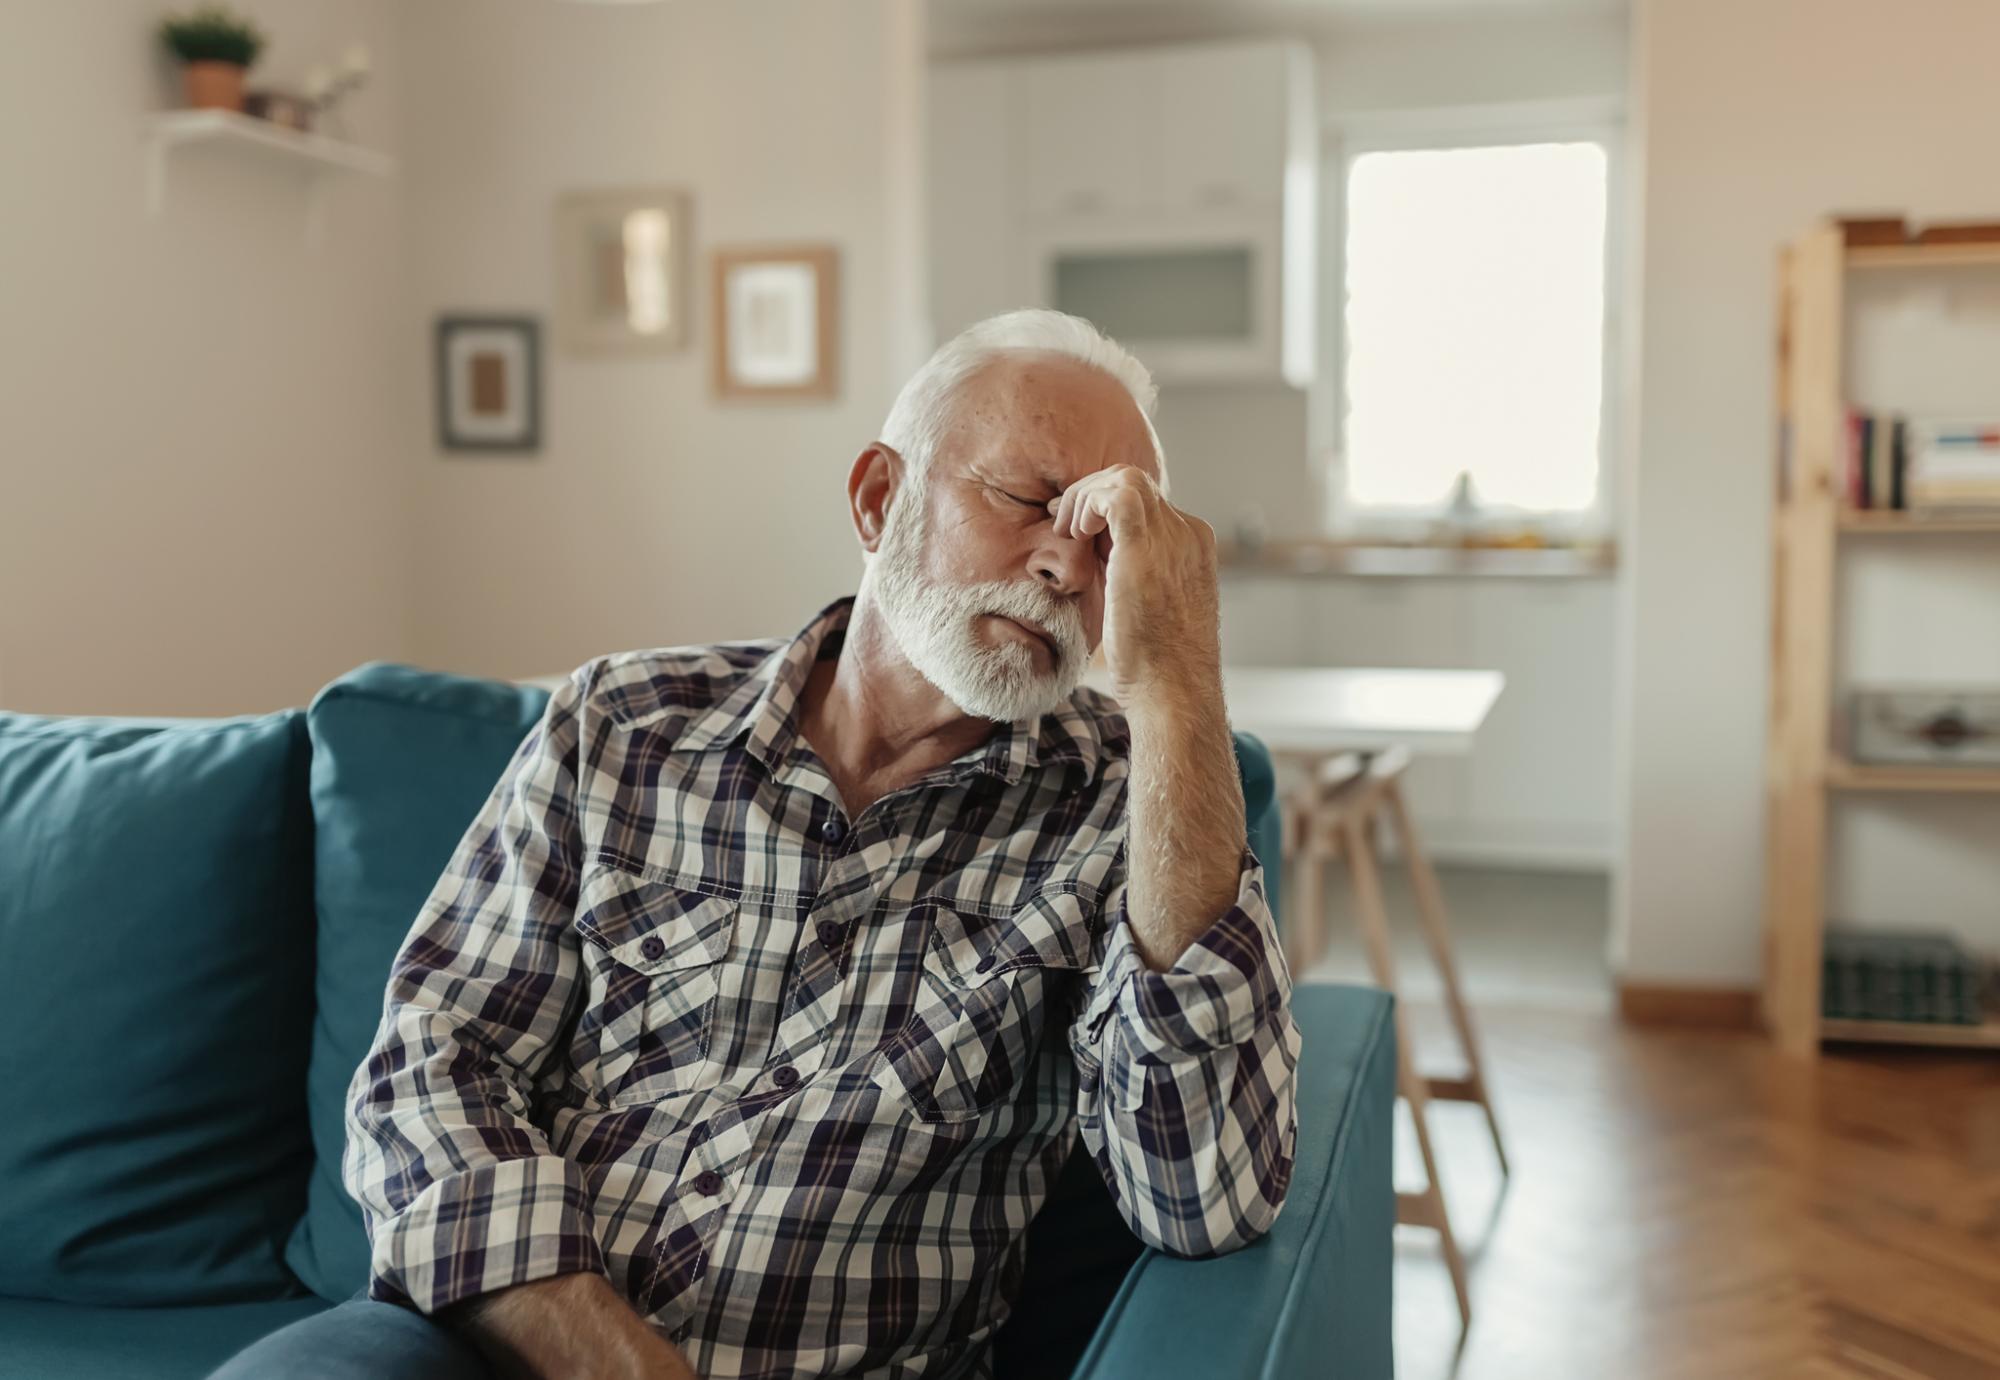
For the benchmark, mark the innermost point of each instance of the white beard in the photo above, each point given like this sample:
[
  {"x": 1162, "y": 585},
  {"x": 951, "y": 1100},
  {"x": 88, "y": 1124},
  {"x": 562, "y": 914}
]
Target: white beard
[{"x": 936, "y": 625}]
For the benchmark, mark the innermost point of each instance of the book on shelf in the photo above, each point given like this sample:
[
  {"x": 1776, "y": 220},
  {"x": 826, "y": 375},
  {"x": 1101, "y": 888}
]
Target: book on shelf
[
  {"x": 1907, "y": 977},
  {"x": 1937, "y": 467}
]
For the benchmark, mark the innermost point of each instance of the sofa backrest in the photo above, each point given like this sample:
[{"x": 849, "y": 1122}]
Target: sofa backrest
[{"x": 402, "y": 759}]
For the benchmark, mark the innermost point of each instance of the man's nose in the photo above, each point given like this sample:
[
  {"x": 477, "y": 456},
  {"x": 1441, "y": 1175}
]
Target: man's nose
[{"x": 1066, "y": 564}]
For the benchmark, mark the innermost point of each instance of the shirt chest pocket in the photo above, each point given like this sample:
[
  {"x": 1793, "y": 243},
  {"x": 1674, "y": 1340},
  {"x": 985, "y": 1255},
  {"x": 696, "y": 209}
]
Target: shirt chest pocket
[
  {"x": 989, "y": 990},
  {"x": 652, "y": 954}
]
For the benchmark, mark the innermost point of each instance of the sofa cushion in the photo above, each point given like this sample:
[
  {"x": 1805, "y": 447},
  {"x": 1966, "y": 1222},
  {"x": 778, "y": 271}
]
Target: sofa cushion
[
  {"x": 402, "y": 759},
  {"x": 67, "y": 1341},
  {"x": 155, "y": 1000}
]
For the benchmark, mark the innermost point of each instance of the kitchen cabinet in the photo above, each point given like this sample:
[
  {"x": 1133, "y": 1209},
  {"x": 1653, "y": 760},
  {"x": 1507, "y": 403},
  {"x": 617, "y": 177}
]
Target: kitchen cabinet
[
  {"x": 1093, "y": 136},
  {"x": 1170, "y": 195},
  {"x": 1224, "y": 116}
]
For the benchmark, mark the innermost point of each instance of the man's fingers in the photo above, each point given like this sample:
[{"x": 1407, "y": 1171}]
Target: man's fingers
[
  {"x": 1066, "y": 509},
  {"x": 1092, "y": 517},
  {"x": 1098, "y": 502}
]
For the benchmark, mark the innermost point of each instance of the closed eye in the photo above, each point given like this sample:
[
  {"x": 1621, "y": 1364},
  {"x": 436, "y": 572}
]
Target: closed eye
[{"x": 1039, "y": 505}]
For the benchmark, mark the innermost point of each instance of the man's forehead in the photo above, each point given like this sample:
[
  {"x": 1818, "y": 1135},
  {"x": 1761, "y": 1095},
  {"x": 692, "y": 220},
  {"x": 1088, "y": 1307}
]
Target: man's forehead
[{"x": 1050, "y": 419}]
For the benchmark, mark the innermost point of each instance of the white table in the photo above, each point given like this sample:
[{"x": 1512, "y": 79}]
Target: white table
[
  {"x": 1312, "y": 709},
  {"x": 1321, "y": 711}
]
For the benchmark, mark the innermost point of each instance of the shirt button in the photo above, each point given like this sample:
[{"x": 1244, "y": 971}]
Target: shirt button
[
  {"x": 832, "y": 832},
  {"x": 829, "y": 934},
  {"x": 652, "y": 947},
  {"x": 985, "y": 964},
  {"x": 784, "y": 1075},
  {"x": 708, "y": 1182}
]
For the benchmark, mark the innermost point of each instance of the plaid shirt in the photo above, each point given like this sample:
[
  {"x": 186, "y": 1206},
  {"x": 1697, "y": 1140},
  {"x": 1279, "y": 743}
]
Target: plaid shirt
[{"x": 796, "y": 1083}]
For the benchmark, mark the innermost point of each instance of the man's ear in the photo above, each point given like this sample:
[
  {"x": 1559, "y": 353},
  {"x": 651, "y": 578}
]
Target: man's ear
[{"x": 871, "y": 487}]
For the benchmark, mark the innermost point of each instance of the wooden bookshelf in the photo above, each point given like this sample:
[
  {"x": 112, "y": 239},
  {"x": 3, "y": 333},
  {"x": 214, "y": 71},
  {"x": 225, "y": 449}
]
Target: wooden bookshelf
[
  {"x": 1803, "y": 771},
  {"x": 1843, "y": 775},
  {"x": 1985, "y": 1035},
  {"x": 1892, "y": 523},
  {"x": 1923, "y": 256}
]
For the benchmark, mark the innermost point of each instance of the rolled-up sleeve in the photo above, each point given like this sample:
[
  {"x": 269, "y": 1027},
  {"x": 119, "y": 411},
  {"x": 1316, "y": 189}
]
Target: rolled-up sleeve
[
  {"x": 460, "y": 1191},
  {"x": 1187, "y": 1097}
]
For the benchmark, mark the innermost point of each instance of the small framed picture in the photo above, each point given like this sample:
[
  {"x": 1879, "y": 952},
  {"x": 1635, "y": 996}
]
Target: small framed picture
[
  {"x": 621, "y": 271},
  {"x": 489, "y": 383},
  {"x": 777, "y": 322}
]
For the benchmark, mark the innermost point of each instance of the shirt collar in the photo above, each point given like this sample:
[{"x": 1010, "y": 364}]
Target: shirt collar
[{"x": 762, "y": 709}]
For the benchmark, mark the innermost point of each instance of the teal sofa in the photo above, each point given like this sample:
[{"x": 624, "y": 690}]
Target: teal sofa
[{"x": 197, "y": 919}]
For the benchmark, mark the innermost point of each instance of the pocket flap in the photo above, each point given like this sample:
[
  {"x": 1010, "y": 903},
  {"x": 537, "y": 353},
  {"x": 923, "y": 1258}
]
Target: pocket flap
[
  {"x": 1049, "y": 930},
  {"x": 653, "y": 927}
]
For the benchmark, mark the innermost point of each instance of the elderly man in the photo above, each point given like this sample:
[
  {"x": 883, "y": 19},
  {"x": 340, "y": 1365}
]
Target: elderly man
[{"x": 744, "y": 1032}]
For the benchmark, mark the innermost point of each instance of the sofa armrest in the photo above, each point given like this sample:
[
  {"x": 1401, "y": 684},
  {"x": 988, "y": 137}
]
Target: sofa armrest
[{"x": 1312, "y": 1298}]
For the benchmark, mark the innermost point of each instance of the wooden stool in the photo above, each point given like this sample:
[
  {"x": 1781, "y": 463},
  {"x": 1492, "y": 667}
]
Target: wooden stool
[{"x": 1336, "y": 812}]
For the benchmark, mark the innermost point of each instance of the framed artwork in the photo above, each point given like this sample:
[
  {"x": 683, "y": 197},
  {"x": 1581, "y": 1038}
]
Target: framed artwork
[
  {"x": 621, "y": 271},
  {"x": 489, "y": 383},
  {"x": 777, "y": 322}
]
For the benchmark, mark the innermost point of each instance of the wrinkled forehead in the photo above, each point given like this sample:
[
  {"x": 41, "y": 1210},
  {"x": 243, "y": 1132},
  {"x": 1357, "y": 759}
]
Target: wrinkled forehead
[{"x": 1046, "y": 417}]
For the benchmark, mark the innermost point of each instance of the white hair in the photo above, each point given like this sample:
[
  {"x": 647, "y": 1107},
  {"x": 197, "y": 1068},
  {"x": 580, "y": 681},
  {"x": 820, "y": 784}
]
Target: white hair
[{"x": 922, "y": 413}]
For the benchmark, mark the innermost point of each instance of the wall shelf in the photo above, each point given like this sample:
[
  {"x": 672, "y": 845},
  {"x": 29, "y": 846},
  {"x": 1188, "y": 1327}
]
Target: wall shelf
[
  {"x": 313, "y": 155},
  {"x": 1318, "y": 557}
]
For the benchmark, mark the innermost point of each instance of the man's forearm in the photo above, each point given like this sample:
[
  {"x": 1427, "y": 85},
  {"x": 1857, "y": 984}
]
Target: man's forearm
[
  {"x": 1186, "y": 825},
  {"x": 573, "y": 1325}
]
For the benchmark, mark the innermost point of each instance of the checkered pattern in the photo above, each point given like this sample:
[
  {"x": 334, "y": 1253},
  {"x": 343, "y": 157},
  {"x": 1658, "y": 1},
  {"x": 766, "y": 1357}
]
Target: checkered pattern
[{"x": 796, "y": 1083}]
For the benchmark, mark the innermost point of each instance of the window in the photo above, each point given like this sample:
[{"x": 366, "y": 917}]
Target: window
[{"x": 1474, "y": 327}]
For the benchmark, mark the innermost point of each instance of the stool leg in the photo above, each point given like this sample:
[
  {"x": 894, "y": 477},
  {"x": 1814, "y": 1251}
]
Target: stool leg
[
  {"x": 1427, "y": 1208},
  {"x": 1430, "y": 909},
  {"x": 1290, "y": 835},
  {"x": 1308, "y": 901}
]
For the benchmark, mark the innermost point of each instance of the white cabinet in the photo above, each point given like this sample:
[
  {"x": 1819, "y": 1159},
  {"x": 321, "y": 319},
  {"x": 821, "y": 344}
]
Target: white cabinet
[
  {"x": 1225, "y": 122},
  {"x": 1093, "y": 136},
  {"x": 1167, "y": 194}
]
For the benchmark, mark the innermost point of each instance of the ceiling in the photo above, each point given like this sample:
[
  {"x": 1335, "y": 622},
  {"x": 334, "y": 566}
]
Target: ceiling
[{"x": 964, "y": 27}]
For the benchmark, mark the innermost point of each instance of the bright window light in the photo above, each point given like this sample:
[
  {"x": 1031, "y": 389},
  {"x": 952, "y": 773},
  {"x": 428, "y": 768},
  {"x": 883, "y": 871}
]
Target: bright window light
[{"x": 1475, "y": 327}]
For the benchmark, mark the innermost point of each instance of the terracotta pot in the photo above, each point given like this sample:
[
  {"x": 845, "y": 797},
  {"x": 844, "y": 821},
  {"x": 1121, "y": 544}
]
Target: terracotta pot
[{"x": 214, "y": 85}]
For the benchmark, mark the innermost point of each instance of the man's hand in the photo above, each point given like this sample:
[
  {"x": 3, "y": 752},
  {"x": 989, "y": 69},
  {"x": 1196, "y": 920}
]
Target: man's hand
[
  {"x": 1161, "y": 618},
  {"x": 567, "y": 1327},
  {"x": 1162, "y": 640}
]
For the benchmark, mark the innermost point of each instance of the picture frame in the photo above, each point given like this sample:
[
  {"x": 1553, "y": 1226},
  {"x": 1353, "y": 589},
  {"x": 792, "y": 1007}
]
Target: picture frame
[
  {"x": 776, "y": 313},
  {"x": 622, "y": 270},
  {"x": 489, "y": 383}
]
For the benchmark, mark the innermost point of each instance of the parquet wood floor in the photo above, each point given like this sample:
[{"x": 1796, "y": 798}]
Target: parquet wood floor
[{"x": 1688, "y": 1206}]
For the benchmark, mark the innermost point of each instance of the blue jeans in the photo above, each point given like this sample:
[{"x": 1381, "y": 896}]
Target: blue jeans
[{"x": 361, "y": 1339}]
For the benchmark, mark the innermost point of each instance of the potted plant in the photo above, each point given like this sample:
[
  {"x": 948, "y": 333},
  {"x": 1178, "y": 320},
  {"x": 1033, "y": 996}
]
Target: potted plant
[{"x": 217, "y": 47}]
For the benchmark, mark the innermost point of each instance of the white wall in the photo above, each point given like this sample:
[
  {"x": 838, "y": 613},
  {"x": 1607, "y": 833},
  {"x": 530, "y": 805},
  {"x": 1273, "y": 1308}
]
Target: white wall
[
  {"x": 655, "y": 514},
  {"x": 1460, "y": 59},
  {"x": 219, "y": 484},
  {"x": 1760, "y": 116},
  {"x": 203, "y": 474}
]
